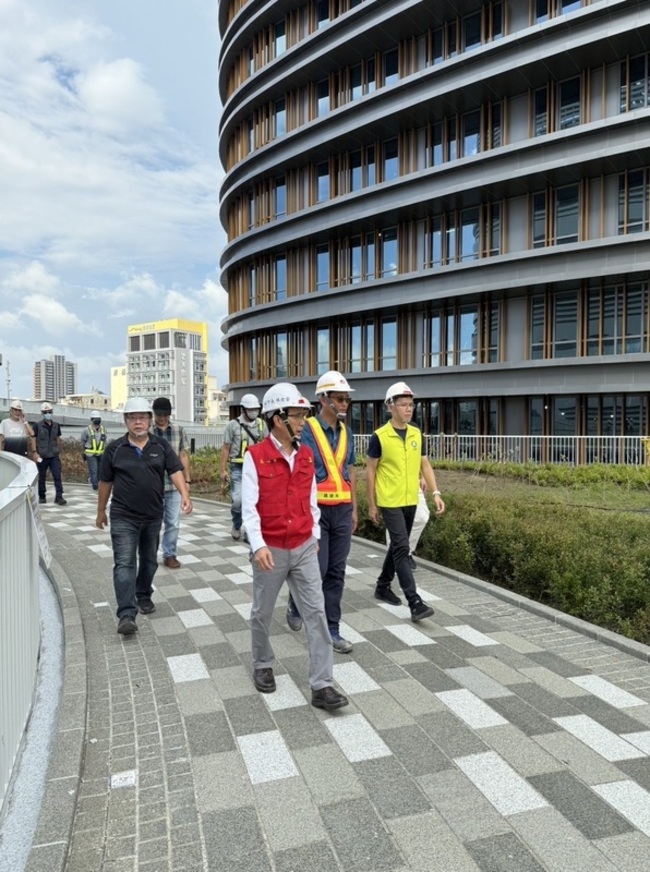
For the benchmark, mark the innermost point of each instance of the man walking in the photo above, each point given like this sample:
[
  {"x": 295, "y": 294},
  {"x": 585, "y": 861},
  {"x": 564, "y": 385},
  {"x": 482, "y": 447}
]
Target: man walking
[
  {"x": 240, "y": 433},
  {"x": 47, "y": 434},
  {"x": 332, "y": 444},
  {"x": 281, "y": 516},
  {"x": 396, "y": 462},
  {"x": 133, "y": 470},
  {"x": 16, "y": 436},
  {"x": 93, "y": 441},
  {"x": 175, "y": 436}
]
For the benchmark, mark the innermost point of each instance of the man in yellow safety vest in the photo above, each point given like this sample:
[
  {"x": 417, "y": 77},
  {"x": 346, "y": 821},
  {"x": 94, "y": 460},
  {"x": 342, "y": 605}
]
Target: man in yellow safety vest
[
  {"x": 332, "y": 443},
  {"x": 93, "y": 442}
]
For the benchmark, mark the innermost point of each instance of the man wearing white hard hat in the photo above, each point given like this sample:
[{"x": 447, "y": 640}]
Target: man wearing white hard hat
[
  {"x": 248, "y": 429},
  {"x": 396, "y": 463},
  {"x": 47, "y": 434},
  {"x": 281, "y": 516},
  {"x": 332, "y": 443},
  {"x": 16, "y": 436},
  {"x": 93, "y": 443}
]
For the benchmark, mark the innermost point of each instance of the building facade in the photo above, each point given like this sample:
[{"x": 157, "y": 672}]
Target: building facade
[
  {"x": 170, "y": 359},
  {"x": 453, "y": 193},
  {"x": 54, "y": 378}
]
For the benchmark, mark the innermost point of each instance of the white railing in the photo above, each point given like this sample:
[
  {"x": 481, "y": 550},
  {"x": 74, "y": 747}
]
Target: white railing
[
  {"x": 19, "y": 608},
  {"x": 569, "y": 450}
]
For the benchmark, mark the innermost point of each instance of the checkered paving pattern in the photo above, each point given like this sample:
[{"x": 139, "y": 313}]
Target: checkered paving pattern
[{"x": 484, "y": 738}]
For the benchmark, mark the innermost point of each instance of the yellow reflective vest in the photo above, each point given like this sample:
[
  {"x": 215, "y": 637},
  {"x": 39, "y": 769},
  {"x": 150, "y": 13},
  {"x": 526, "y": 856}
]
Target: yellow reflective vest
[
  {"x": 334, "y": 490},
  {"x": 397, "y": 480},
  {"x": 97, "y": 441}
]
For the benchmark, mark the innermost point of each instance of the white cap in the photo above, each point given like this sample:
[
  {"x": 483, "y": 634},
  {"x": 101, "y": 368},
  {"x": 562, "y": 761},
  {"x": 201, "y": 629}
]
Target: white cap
[
  {"x": 399, "y": 389},
  {"x": 46, "y": 407},
  {"x": 332, "y": 381},
  {"x": 137, "y": 404},
  {"x": 281, "y": 397},
  {"x": 16, "y": 404},
  {"x": 249, "y": 401}
]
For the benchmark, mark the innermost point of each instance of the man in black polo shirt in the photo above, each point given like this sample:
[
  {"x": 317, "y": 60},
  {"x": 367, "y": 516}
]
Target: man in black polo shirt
[{"x": 133, "y": 468}]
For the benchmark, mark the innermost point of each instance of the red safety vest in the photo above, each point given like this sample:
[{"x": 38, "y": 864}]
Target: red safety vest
[{"x": 333, "y": 490}]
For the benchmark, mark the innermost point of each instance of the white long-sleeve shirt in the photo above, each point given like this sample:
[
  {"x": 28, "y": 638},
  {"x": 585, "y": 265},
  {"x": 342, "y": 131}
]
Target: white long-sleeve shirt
[{"x": 250, "y": 495}]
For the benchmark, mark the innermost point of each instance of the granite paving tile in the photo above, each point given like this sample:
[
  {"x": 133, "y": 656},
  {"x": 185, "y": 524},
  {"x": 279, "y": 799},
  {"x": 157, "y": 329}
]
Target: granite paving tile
[
  {"x": 360, "y": 839},
  {"x": 234, "y": 841},
  {"x": 415, "y": 750},
  {"x": 208, "y": 734},
  {"x": 429, "y": 845},
  {"x": 431, "y": 676},
  {"x": 390, "y": 788},
  {"x": 610, "y": 717},
  {"x": 315, "y": 857},
  {"x": 248, "y": 714},
  {"x": 528, "y": 719},
  {"x": 503, "y": 853},
  {"x": 450, "y": 735}
]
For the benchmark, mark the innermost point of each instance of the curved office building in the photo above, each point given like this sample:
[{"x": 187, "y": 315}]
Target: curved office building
[{"x": 453, "y": 193}]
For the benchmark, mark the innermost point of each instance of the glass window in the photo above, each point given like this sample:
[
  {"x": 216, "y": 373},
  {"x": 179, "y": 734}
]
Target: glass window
[
  {"x": 180, "y": 340},
  {"x": 565, "y": 325},
  {"x": 355, "y": 348},
  {"x": 355, "y": 259},
  {"x": 281, "y": 278},
  {"x": 432, "y": 342},
  {"x": 437, "y": 154},
  {"x": 134, "y": 343},
  {"x": 280, "y": 117},
  {"x": 163, "y": 340},
  {"x": 541, "y": 112},
  {"x": 467, "y": 418},
  {"x": 280, "y": 38},
  {"x": 566, "y": 214},
  {"x": 471, "y": 133},
  {"x": 435, "y": 243},
  {"x": 369, "y": 256},
  {"x": 322, "y": 350},
  {"x": 322, "y": 98},
  {"x": 322, "y": 12},
  {"x": 389, "y": 252},
  {"x": 371, "y": 166},
  {"x": 371, "y": 78},
  {"x": 564, "y": 416},
  {"x": 634, "y": 83},
  {"x": 437, "y": 55},
  {"x": 280, "y": 196},
  {"x": 149, "y": 340},
  {"x": 539, "y": 220},
  {"x": 323, "y": 182},
  {"x": 281, "y": 355},
  {"x": 632, "y": 202},
  {"x": 388, "y": 344},
  {"x": 537, "y": 322},
  {"x": 251, "y": 285},
  {"x": 356, "y": 82},
  {"x": 452, "y": 145},
  {"x": 536, "y": 416},
  {"x": 467, "y": 336},
  {"x": 250, "y": 210},
  {"x": 451, "y": 339},
  {"x": 493, "y": 333},
  {"x": 496, "y": 133},
  {"x": 472, "y": 31},
  {"x": 391, "y": 67},
  {"x": 356, "y": 171},
  {"x": 322, "y": 267},
  {"x": 470, "y": 235},
  {"x": 635, "y": 319},
  {"x": 569, "y": 104},
  {"x": 494, "y": 230},
  {"x": 391, "y": 162}
]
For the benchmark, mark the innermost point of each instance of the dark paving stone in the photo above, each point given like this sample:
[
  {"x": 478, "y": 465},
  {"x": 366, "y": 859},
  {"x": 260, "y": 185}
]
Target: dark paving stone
[
  {"x": 415, "y": 750},
  {"x": 376, "y": 664},
  {"x": 359, "y": 837},
  {"x": 231, "y": 623},
  {"x": 580, "y": 806},
  {"x": 442, "y": 656},
  {"x": 461, "y": 649},
  {"x": 357, "y": 600},
  {"x": 557, "y": 664},
  {"x": 505, "y": 853},
  {"x": 184, "y": 603},
  {"x": 234, "y": 842},
  {"x": 524, "y": 716},
  {"x": 638, "y": 770},
  {"x": 248, "y": 714},
  {"x": 431, "y": 677},
  {"x": 483, "y": 625},
  {"x": 391, "y": 790},
  {"x": 608, "y": 716},
  {"x": 173, "y": 646},
  {"x": 452, "y": 736},
  {"x": 543, "y": 700},
  {"x": 208, "y": 734},
  {"x": 316, "y": 857},
  {"x": 219, "y": 656},
  {"x": 385, "y": 641},
  {"x": 300, "y": 728}
]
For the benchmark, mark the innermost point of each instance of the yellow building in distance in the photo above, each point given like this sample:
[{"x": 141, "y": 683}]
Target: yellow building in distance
[
  {"x": 170, "y": 359},
  {"x": 118, "y": 387}
]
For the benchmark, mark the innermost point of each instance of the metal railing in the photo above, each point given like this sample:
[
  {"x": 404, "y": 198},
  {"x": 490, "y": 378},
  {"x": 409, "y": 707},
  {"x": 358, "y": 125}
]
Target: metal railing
[
  {"x": 19, "y": 608},
  {"x": 569, "y": 450}
]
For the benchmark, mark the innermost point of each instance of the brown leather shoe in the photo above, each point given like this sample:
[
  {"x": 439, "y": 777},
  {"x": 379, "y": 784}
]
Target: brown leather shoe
[
  {"x": 171, "y": 563},
  {"x": 328, "y": 698},
  {"x": 264, "y": 680}
]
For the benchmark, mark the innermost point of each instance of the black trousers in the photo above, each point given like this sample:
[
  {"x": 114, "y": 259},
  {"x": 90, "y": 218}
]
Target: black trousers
[{"x": 398, "y": 523}]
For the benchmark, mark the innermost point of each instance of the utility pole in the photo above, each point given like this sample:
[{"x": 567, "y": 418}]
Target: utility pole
[{"x": 8, "y": 381}]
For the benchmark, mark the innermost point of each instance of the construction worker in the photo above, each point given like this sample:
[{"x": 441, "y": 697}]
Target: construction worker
[
  {"x": 240, "y": 433},
  {"x": 175, "y": 435},
  {"x": 93, "y": 442},
  {"x": 281, "y": 517},
  {"x": 332, "y": 443},
  {"x": 16, "y": 435},
  {"x": 396, "y": 463},
  {"x": 47, "y": 434}
]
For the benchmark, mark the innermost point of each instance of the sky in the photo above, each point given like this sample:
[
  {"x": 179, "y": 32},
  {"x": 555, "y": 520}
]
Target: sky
[{"x": 109, "y": 180}]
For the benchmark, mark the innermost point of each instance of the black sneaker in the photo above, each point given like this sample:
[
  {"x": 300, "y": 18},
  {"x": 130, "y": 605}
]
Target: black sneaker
[
  {"x": 328, "y": 698},
  {"x": 387, "y": 595},
  {"x": 127, "y": 626},
  {"x": 146, "y": 606},
  {"x": 420, "y": 610},
  {"x": 60, "y": 501}
]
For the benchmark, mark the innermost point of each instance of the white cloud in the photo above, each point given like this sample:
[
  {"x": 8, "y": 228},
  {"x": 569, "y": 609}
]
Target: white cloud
[
  {"x": 33, "y": 277},
  {"x": 117, "y": 98}
]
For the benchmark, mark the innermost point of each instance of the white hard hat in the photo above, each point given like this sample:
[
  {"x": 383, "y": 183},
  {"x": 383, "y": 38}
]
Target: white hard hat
[
  {"x": 249, "y": 401},
  {"x": 137, "y": 404},
  {"x": 16, "y": 404},
  {"x": 46, "y": 407},
  {"x": 399, "y": 389},
  {"x": 332, "y": 381},
  {"x": 94, "y": 415},
  {"x": 281, "y": 397}
]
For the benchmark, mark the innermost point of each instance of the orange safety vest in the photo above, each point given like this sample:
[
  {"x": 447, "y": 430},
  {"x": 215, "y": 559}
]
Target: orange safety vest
[{"x": 334, "y": 489}]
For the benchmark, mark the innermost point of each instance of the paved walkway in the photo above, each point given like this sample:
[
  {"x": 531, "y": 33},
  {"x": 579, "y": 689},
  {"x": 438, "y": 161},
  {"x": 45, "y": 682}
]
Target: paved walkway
[{"x": 489, "y": 737}]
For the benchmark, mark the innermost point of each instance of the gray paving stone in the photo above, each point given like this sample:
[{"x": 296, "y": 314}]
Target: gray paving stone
[
  {"x": 582, "y": 807},
  {"x": 429, "y": 845},
  {"x": 233, "y": 841},
  {"x": 462, "y": 806},
  {"x": 208, "y": 734},
  {"x": 177, "y": 645},
  {"x": 359, "y": 837},
  {"x": 328, "y": 774},
  {"x": 390, "y": 789},
  {"x": 248, "y": 714},
  {"x": 450, "y": 735},
  {"x": 628, "y": 852},
  {"x": 382, "y": 710},
  {"x": 557, "y": 664},
  {"x": 524, "y": 716},
  {"x": 300, "y": 728},
  {"x": 315, "y": 857},
  {"x": 434, "y": 678},
  {"x": 415, "y": 751},
  {"x": 609, "y": 717},
  {"x": 505, "y": 853},
  {"x": 288, "y": 815}
]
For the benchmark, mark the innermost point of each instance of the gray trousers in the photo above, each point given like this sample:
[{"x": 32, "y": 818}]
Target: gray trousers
[{"x": 299, "y": 567}]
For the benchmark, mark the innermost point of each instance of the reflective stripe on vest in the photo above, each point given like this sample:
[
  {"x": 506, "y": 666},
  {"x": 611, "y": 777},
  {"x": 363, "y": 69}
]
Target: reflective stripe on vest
[
  {"x": 96, "y": 448},
  {"x": 243, "y": 443},
  {"x": 334, "y": 489}
]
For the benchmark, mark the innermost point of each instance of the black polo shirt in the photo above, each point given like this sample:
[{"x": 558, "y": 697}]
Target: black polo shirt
[{"x": 138, "y": 476}]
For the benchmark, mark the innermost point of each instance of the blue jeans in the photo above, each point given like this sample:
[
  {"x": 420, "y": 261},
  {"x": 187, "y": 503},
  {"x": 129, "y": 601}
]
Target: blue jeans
[
  {"x": 93, "y": 461},
  {"x": 235, "y": 493},
  {"x": 398, "y": 523},
  {"x": 133, "y": 539},
  {"x": 54, "y": 465},
  {"x": 171, "y": 522}
]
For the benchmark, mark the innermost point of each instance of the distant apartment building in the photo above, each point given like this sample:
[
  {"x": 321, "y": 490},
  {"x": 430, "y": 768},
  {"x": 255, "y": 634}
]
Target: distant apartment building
[
  {"x": 118, "y": 387},
  {"x": 170, "y": 359},
  {"x": 54, "y": 378}
]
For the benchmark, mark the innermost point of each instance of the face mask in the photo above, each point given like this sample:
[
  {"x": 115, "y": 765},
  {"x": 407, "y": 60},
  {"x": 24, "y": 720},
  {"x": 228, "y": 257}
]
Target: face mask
[
  {"x": 250, "y": 414},
  {"x": 47, "y": 416},
  {"x": 97, "y": 421}
]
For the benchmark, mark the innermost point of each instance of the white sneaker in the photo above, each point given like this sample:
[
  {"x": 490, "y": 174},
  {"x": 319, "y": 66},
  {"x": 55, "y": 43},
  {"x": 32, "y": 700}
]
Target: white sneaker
[{"x": 236, "y": 534}]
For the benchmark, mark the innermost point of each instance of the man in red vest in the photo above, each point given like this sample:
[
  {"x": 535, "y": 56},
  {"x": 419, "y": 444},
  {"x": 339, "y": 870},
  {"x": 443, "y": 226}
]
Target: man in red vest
[
  {"x": 332, "y": 442},
  {"x": 281, "y": 516}
]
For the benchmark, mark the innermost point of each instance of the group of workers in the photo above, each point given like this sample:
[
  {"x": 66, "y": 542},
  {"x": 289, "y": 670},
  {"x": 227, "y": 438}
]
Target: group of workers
[{"x": 294, "y": 501}]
